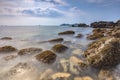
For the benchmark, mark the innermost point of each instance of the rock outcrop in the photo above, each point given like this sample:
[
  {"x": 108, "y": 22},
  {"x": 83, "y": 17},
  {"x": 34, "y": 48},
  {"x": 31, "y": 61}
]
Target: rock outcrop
[
  {"x": 79, "y": 36},
  {"x": 104, "y": 53},
  {"x": 59, "y": 48},
  {"x": 46, "y": 57}
]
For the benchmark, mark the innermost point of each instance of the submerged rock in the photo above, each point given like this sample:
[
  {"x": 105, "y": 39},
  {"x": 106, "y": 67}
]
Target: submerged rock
[
  {"x": 29, "y": 51},
  {"x": 7, "y": 49},
  {"x": 83, "y": 78},
  {"x": 59, "y": 48},
  {"x": 105, "y": 75},
  {"x": 77, "y": 52},
  {"x": 10, "y": 57},
  {"x": 46, "y": 57},
  {"x": 6, "y": 38},
  {"x": 66, "y": 33},
  {"x": 56, "y": 40},
  {"x": 79, "y": 36},
  {"x": 61, "y": 75},
  {"x": 104, "y": 53}
]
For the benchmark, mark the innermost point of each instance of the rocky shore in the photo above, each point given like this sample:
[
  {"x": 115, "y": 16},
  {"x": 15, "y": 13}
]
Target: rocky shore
[{"x": 100, "y": 58}]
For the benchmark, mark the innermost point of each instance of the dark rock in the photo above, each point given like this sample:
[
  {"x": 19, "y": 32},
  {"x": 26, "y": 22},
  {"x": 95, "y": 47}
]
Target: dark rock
[
  {"x": 10, "y": 57},
  {"x": 80, "y": 25},
  {"x": 66, "y": 33},
  {"x": 99, "y": 30},
  {"x": 7, "y": 49},
  {"x": 59, "y": 48},
  {"x": 6, "y": 38},
  {"x": 56, "y": 40},
  {"x": 79, "y": 36},
  {"x": 104, "y": 53},
  {"x": 29, "y": 51},
  {"x": 46, "y": 57}
]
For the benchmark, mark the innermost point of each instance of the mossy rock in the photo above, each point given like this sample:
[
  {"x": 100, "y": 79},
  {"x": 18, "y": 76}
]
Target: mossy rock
[
  {"x": 56, "y": 40},
  {"x": 99, "y": 30},
  {"x": 6, "y": 38},
  {"x": 59, "y": 48},
  {"x": 7, "y": 49},
  {"x": 116, "y": 33},
  {"x": 102, "y": 54},
  {"x": 66, "y": 33},
  {"x": 79, "y": 36},
  {"x": 95, "y": 36},
  {"x": 46, "y": 57},
  {"x": 29, "y": 51}
]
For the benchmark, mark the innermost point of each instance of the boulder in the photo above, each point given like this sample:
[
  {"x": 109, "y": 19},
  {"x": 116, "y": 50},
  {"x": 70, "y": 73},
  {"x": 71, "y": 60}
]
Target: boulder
[
  {"x": 95, "y": 36},
  {"x": 6, "y": 38},
  {"x": 59, "y": 48},
  {"x": 7, "y": 49},
  {"x": 99, "y": 30},
  {"x": 29, "y": 51},
  {"x": 56, "y": 40},
  {"x": 104, "y": 53},
  {"x": 79, "y": 36},
  {"x": 46, "y": 57},
  {"x": 66, "y": 33}
]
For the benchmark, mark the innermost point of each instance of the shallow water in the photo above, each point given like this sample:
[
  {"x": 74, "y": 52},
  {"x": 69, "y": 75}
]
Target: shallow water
[{"x": 32, "y": 36}]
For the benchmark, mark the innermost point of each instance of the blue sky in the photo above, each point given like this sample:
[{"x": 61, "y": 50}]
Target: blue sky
[{"x": 54, "y": 12}]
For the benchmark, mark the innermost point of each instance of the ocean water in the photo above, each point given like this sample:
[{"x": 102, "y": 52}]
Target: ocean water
[{"x": 34, "y": 36}]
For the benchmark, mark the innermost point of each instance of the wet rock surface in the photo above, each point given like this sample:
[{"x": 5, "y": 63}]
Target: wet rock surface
[
  {"x": 59, "y": 48},
  {"x": 6, "y": 38},
  {"x": 95, "y": 36},
  {"x": 104, "y": 53},
  {"x": 7, "y": 49},
  {"x": 29, "y": 51},
  {"x": 46, "y": 57},
  {"x": 56, "y": 40},
  {"x": 66, "y": 33}
]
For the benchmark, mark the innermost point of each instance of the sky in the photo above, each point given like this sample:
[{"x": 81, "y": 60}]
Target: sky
[{"x": 55, "y": 12}]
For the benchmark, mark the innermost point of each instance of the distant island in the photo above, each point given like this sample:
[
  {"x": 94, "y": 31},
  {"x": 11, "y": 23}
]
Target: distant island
[{"x": 99, "y": 24}]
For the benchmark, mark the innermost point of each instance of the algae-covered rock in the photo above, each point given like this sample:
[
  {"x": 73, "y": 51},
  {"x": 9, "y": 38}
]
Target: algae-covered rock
[
  {"x": 6, "y": 38},
  {"x": 46, "y": 57},
  {"x": 59, "y": 48},
  {"x": 79, "y": 36},
  {"x": 66, "y": 33},
  {"x": 7, "y": 49},
  {"x": 104, "y": 53},
  {"x": 95, "y": 36},
  {"x": 29, "y": 51}
]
